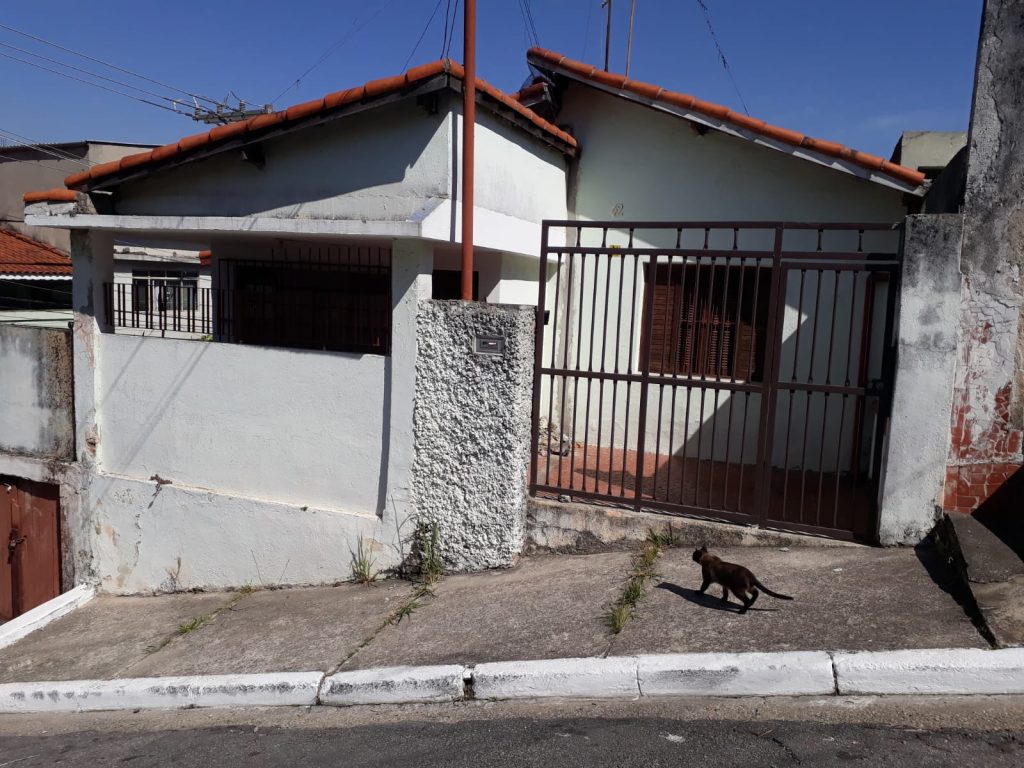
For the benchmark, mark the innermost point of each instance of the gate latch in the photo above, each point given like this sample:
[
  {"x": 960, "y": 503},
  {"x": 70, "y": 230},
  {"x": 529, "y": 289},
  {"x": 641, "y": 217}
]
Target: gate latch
[{"x": 12, "y": 544}]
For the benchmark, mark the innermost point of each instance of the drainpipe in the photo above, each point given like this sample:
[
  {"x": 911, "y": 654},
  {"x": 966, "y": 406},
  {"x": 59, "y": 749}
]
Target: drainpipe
[{"x": 468, "y": 124}]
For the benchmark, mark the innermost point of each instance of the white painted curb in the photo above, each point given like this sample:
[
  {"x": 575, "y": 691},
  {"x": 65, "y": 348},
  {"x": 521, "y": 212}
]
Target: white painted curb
[
  {"x": 15, "y": 629},
  {"x": 258, "y": 690},
  {"x": 736, "y": 674},
  {"x": 394, "y": 685},
  {"x": 589, "y": 678},
  {"x": 941, "y": 671}
]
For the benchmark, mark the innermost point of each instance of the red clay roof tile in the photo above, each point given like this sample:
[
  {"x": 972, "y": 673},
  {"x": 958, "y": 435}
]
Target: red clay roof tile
[
  {"x": 585, "y": 72},
  {"x": 307, "y": 109},
  {"x": 51, "y": 196},
  {"x": 21, "y": 255}
]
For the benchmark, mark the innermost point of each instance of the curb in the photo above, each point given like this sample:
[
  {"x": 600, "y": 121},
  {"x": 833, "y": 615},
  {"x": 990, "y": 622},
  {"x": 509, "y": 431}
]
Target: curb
[
  {"x": 294, "y": 689},
  {"x": 41, "y": 615},
  {"x": 969, "y": 671}
]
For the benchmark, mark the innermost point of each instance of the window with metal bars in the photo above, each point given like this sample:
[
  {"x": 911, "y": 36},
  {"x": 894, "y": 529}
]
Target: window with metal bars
[{"x": 708, "y": 321}]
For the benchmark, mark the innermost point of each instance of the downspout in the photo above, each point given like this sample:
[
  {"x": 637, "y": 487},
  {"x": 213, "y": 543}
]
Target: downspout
[{"x": 468, "y": 124}]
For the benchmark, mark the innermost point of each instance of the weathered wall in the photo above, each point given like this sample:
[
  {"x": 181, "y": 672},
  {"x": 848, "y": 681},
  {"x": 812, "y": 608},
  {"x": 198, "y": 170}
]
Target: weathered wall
[
  {"x": 36, "y": 398},
  {"x": 988, "y": 405},
  {"x": 472, "y": 427},
  {"x": 923, "y": 394}
]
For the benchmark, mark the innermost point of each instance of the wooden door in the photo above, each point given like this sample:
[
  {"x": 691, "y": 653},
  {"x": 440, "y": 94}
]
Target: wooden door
[{"x": 31, "y": 571}]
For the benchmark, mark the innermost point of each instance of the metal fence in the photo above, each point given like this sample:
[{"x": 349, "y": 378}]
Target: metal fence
[{"x": 736, "y": 371}]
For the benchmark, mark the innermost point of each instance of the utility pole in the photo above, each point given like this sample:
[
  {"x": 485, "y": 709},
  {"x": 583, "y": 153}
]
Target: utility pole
[
  {"x": 629, "y": 42},
  {"x": 224, "y": 114},
  {"x": 607, "y": 32},
  {"x": 468, "y": 124}
]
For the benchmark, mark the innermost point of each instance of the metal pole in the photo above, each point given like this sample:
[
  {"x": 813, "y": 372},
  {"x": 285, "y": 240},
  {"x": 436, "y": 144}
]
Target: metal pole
[
  {"x": 468, "y": 124},
  {"x": 607, "y": 32},
  {"x": 629, "y": 40}
]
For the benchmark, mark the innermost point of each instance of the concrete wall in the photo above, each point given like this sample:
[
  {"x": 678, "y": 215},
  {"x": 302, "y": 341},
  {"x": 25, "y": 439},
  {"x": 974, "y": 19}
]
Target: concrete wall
[
  {"x": 278, "y": 460},
  {"x": 988, "y": 407},
  {"x": 36, "y": 406},
  {"x": 472, "y": 418},
  {"x": 926, "y": 359}
]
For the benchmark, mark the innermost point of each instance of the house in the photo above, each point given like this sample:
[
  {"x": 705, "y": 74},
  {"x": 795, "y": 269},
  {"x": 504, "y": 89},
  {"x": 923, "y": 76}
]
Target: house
[
  {"x": 695, "y": 312},
  {"x": 35, "y": 282}
]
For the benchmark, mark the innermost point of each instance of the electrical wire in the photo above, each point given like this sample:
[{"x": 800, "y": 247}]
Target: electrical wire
[
  {"x": 586, "y": 30},
  {"x": 533, "y": 24},
  {"x": 25, "y": 141},
  {"x": 451, "y": 34},
  {"x": 444, "y": 40},
  {"x": 422, "y": 35},
  {"x": 89, "y": 82},
  {"x": 334, "y": 46},
  {"x": 39, "y": 163},
  {"x": 721, "y": 54},
  {"x": 111, "y": 66}
]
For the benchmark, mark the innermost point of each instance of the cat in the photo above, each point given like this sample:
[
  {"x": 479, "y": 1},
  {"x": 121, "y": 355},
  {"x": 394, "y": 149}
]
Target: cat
[{"x": 733, "y": 578}]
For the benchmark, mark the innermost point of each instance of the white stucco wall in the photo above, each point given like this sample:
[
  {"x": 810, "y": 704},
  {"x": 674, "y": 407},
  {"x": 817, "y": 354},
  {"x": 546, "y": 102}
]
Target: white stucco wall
[{"x": 282, "y": 425}]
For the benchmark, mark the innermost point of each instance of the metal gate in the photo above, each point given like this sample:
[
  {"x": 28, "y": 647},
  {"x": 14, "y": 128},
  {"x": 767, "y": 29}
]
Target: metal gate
[
  {"x": 729, "y": 370},
  {"x": 30, "y": 561}
]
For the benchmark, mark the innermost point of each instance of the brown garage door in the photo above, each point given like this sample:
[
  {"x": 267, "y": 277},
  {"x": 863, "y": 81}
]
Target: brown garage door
[{"x": 30, "y": 561}]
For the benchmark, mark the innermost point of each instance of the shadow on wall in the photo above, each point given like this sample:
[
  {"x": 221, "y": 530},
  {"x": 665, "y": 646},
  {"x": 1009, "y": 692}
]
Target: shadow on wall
[{"x": 1003, "y": 513}]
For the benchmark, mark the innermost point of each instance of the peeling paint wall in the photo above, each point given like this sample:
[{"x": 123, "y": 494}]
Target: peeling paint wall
[
  {"x": 472, "y": 430},
  {"x": 988, "y": 399},
  {"x": 36, "y": 404}
]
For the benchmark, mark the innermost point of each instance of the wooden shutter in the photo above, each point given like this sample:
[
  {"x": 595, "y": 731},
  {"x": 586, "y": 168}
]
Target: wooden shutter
[{"x": 664, "y": 330}]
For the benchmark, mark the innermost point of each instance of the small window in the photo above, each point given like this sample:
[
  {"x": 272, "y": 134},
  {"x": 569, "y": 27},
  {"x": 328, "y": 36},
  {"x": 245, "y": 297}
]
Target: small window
[
  {"x": 157, "y": 290},
  {"x": 709, "y": 321}
]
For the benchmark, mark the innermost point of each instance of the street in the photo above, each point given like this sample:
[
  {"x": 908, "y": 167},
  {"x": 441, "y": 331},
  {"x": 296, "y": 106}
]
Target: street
[{"x": 713, "y": 732}]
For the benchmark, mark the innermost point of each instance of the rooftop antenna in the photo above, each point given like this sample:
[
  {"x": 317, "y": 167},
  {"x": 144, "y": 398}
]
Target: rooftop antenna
[
  {"x": 629, "y": 43},
  {"x": 607, "y": 32}
]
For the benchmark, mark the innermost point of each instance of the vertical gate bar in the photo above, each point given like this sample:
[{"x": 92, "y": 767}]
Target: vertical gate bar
[
  {"x": 821, "y": 459},
  {"x": 732, "y": 375},
  {"x": 615, "y": 382},
  {"x": 677, "y": 310},
  {"x": 554, "y": 336},
  {"x": 602, "y": 380},
  {"x": 766, "y": 438},
  {"x": 864, "y": 352},
  {"x": 578, "y": 361},
  {"x": 570, "y": 283},
  {"x": 702, "y": 366},
  {"x": 750, "y": 379},
  {"x": 849, "y": 328},
  {"x": 666, "y": 328},
  {"x": 538, "y": 355},
  {"x": 832, "y": 326},
  {"x": 629, "y": 369},
  {"x": 645, "y": 380},
  {"x": 839, "y": 455},
  {"x": 688, "y": 372},
  {"x": 792, "y": 394},
  {"x": 590, "y": 365},
  {"x": 807, "y": 399},
  {"x": 726, "y": 269}
]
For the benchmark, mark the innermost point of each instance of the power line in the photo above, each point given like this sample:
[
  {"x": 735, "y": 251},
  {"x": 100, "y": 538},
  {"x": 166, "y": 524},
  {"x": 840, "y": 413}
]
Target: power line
[
  {"x": 41, "y": 164},
  {"x": 89, "y": 82},
  {"x": 586, "y": 30},
  {"x": 533, "y": 24},
  {"x": 91, "y": 73},
  {"x": 108, "y": 64},
  {"x": 45, "y": 148},
  {"x": 422, "y": 35},
  {"x": 451, "y": 33},
  {"x": 335, "y": 46},
  {"x": 444, "y": 40},
  {"x": 721, "y": 54},
  {"x": 531, "y": 30}
]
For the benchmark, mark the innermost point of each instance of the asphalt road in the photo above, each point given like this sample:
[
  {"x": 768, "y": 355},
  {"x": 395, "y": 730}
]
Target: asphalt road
[{"x": 954, "y": 732}]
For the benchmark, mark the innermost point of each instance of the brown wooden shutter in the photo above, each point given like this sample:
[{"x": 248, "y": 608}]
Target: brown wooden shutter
[{"x": 663, "y": 331}]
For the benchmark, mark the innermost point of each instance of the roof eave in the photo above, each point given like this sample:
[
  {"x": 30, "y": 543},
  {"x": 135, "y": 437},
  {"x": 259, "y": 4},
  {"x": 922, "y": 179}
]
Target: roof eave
[{"x": 722, "y": 126}]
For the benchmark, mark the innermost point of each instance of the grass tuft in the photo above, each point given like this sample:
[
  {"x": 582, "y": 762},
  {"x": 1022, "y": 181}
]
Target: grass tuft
[
  {"x": 635, "y": 589},
  {"x": 362, "y": 564},
  {"x": 192, "y": 624}
]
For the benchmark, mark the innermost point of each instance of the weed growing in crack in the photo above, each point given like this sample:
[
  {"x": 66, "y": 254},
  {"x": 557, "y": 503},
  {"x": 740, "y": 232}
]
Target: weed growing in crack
[
  {"x": 665, "y": 539},
  {"x": 362, "y": 564},
  {"x": 192, "y": 624},
  {"x": 640, "y": 575}
]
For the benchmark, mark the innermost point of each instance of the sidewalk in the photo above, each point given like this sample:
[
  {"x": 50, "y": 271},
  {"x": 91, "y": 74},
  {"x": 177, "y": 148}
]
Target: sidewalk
[{"x": 846, "y": 599}]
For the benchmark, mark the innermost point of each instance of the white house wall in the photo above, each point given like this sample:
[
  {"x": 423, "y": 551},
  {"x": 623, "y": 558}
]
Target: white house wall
[{"x": 391, "y": 163}]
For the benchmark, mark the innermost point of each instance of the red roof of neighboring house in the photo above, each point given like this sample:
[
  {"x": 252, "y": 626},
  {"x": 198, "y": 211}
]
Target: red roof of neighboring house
[
  {"x": 21, "y": 255},
  {"x": 332, "y": 101},
  {"x": 586, "y": 72}
]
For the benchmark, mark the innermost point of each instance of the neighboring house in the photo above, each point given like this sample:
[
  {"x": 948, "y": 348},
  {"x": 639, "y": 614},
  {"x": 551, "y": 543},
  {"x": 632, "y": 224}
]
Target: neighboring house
[
  {"x": 35, "y": 282},
  {"x": 736, "y": 321}
]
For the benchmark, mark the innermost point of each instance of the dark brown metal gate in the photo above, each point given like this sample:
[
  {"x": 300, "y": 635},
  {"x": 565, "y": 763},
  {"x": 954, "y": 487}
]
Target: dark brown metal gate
[
  {"x": 30, "y": 531},
  {"x": 729, "y": 370}
]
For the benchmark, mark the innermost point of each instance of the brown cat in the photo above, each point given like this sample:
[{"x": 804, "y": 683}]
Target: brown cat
[{"x": 733, "y": 578}]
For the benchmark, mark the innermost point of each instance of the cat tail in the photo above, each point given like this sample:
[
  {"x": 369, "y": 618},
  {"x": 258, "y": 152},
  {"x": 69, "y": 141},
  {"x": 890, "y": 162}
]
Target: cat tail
[{"x": 767, "y": 591}]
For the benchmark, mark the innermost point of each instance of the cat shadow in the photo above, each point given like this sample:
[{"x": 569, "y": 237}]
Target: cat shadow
[{"x": 706, "y": 600}]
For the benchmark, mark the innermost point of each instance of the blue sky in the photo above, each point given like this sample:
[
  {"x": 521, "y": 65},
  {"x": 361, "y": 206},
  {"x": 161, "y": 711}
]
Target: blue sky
[{"x": 858, "y": 72}]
